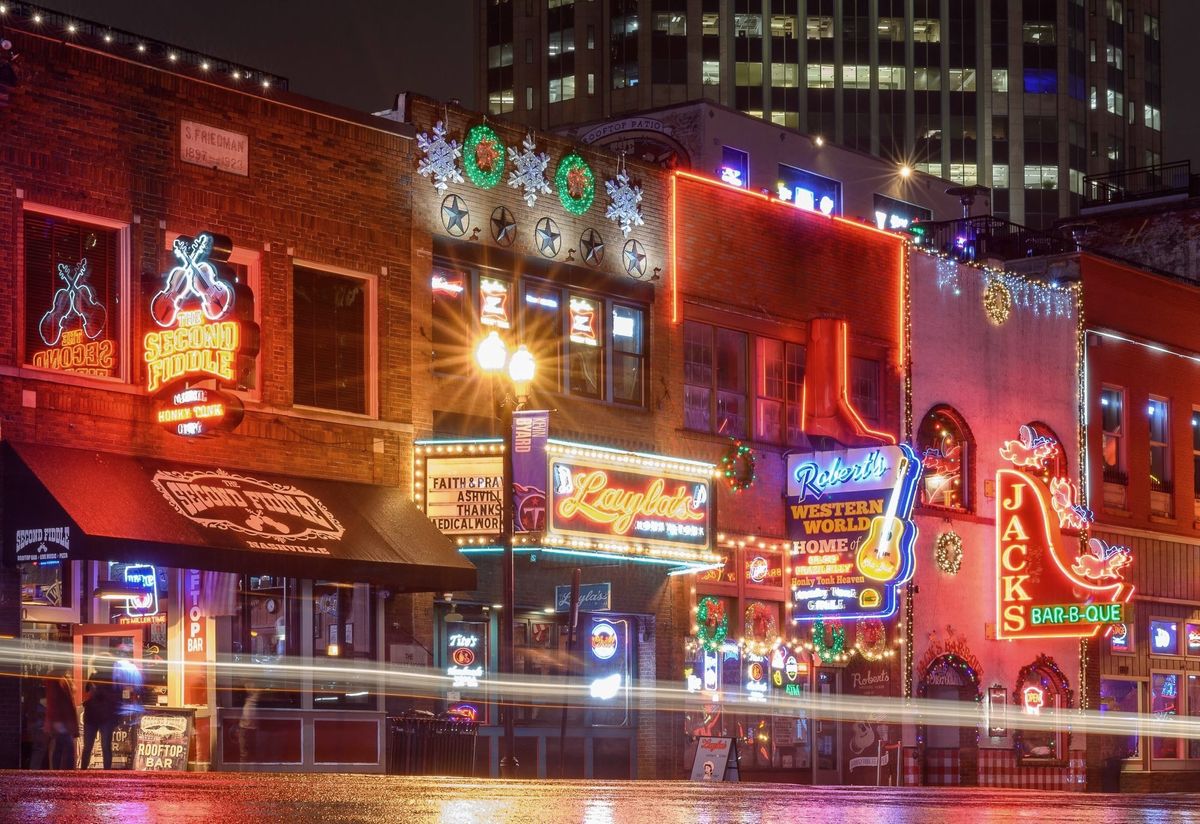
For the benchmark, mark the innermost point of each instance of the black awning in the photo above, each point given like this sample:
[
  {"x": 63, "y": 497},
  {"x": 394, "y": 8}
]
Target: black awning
[{"x": 123, "y": 508}]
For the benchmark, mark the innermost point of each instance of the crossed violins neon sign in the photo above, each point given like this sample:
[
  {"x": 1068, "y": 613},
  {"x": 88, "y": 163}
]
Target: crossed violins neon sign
[
  {"x": 1042, "y": 590},
  {"x": 77, "y": 350},
  {"x": 207, "y": 333}
]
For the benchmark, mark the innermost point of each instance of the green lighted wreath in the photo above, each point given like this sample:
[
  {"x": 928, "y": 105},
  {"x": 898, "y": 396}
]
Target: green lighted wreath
[
  {"x": 711, "y": 639},
  {"x": 826, "y": 653},
  {"x": 575, "y": 183},
  {"x": 737, "y": 466},
  {"x": 483, "y": 156}
]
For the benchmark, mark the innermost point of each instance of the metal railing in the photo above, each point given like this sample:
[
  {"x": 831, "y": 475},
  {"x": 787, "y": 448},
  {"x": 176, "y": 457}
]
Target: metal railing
[
  {"x": 985, "y": 236},
  {"x": 1141, "y": 183}
]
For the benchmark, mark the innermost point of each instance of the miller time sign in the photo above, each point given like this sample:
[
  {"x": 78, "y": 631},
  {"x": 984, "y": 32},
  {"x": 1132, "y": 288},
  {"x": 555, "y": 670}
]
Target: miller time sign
[{"x": 203, "y": 342}]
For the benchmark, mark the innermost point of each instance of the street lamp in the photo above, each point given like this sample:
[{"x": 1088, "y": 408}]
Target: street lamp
[{"x": 492, "y": 356}]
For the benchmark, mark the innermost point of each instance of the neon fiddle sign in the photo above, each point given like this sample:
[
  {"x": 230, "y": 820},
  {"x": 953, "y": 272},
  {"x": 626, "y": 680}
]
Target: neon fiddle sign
[{"x": 80, "y": 349}]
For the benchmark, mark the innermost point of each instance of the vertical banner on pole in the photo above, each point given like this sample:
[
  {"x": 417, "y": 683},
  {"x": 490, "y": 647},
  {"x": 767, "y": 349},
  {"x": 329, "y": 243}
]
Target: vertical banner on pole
[{"x": 530, "y": 431}]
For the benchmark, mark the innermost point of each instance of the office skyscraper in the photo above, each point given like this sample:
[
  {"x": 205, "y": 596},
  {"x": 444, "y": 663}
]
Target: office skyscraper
[{"x": 1024, "y": 96}]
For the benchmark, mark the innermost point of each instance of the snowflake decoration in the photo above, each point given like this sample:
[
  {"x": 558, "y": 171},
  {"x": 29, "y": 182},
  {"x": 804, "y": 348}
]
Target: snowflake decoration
[
  {"x": 441, "y": 158},
  {"x": 529, "y": 172},
  {"x": 624, "y": 208}
]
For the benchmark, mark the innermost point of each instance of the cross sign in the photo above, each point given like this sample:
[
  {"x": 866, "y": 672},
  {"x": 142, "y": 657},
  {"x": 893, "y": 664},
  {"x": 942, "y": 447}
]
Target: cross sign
[
  {"x": 195, "y": 276},
  {"x": 76, "y": 299}
]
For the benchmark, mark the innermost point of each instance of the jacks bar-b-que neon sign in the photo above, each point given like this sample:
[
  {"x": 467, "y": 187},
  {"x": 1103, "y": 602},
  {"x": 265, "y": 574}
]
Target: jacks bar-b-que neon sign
[
  {"x": 849, "y": 516},
  {"x": 205, "y": 342},
  {"x": 1044, "y": 590}
]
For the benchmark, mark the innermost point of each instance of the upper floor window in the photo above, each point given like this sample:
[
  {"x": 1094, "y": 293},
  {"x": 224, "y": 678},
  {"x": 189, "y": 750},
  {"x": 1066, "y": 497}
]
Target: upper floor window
[
  {"x": 74, "y": 274},
  {"x": 1196, "y": 453},
  {"x": 584, "y": 344},
  {"x": 944, "y": 444},
  {"x": 779, "y": 381},
  {"x": 865, "y": 392},
  {"x": 330, "y": 322},
  {"x": 1158, "y": 412},
  {"x": 1056, "y": 465},
  {"x": 1112, "y": 439}
]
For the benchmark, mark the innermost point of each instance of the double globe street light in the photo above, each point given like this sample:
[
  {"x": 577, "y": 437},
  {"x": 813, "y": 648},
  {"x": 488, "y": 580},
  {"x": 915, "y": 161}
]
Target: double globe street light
[{"x": 492, "y": 356}]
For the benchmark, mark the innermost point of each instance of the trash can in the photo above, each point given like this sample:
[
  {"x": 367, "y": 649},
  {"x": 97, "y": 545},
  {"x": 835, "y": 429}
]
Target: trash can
[{"x": 421, "y": 743}]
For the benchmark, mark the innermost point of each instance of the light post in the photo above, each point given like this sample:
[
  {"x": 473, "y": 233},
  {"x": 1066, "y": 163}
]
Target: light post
[{"x": 492, "y": 356}]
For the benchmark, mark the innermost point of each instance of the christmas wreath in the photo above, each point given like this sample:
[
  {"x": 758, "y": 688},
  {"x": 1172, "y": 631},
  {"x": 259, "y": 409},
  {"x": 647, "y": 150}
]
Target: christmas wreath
[
  {"x": 575, "y": 183},
  {"x": 712, "y": 624},
  {"x": 737, "y": 464},
  {"x": 871, "y": 638},
  {"x": 762, "y": 627},
  {"x": 825, "y": 652},
  {"x": 948, "y": 552},
  {"x": 483, "y": 156}
]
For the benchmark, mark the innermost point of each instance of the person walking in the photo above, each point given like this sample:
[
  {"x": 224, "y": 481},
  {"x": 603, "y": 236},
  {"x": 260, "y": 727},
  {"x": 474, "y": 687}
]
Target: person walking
[
  {"x": 62, "y": 723},
  {"x": 101, "y": 710}
]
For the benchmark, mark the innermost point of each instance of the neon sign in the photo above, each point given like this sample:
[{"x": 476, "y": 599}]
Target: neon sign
[
  {"x": 1042, "y": 590},
  {"x": 731, "y": 176},
  {"x": 79, "y": 349},
  {"x": 849, "y": 515},
  {"x": 463, "y": 651},
  {"x": 1034, "y": 699},
  {"x": 592, "y": 499},
  {"x": 144, "y": 577},
  {"x": 583, "y": 322},
  {"x": 493, "y": 303},
  {"x": 207, "y": 334},
  {"x": 604, "y": 641}
]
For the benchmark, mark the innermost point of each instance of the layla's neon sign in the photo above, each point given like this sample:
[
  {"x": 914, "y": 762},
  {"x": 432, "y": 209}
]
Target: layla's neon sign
[
  {"x": 207, "y": 334},
  {"x": 1038, "y": 583},
  {"x": 600, "y": 501}
]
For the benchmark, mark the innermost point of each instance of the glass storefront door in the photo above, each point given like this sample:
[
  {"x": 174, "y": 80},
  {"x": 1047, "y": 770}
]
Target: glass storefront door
[
  {"x": 113, "y": 653},
  {"x": 827, "y": 737}
]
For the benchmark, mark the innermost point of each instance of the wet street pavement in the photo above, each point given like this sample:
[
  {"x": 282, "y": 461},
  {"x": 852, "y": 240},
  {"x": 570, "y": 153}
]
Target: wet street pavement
[{"x": 227, "y": 798}]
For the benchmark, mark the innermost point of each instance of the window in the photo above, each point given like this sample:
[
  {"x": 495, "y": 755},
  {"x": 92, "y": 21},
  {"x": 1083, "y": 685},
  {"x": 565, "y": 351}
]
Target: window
[
  {"x": 1160, "y": 466},
  {"x": 891, "y": 78},
  {"x": 944, "y": 444},
  {"x": 715, "y": 380},
  {"x": 1038, "y": 33},
  {"x": 1112, "y": 425},
  {"x": 585, "y": 347},
  {"x": 343, "y": 628},
  {"x": 1152, "y": 117},
  {"x": 779, "y": 383},
  {"x": 541, "y": 316},
  {"x": 329, "y": 340},
  {"x": 999, "y": 80},
  {"x": 1042, "y": 690},
  {"x": 1093, "y": 98},
  {"x": 1193, "y": 711},
  {"x": 529, "y": 98},
  {"x": 671, "y": 23},
  {"x": 264, "y": 632},
  {"x": 1191, "y": 640},
  {"x": 735, "y": 166},
  {"x": 1041, "y": 177},
  {"x": 926, "y": 30},
  {"x": 1164, "y": 637},
  {"x": 1119, "y": 695},
  {"x": 591, "y": 83},
  {"x": 1092, "y": 51},
  {"x": 1196, "y": 453},
  {"x": 1165, "y": 700},
  {"x": 864, "y": 388},
  {"x": 629, "y": 354},
  {"x": 809, "y": 191},
  {"x": 450, "y": 331},
  {"x": 710, "y": 73},
  {"x": 74, "y": 274}
]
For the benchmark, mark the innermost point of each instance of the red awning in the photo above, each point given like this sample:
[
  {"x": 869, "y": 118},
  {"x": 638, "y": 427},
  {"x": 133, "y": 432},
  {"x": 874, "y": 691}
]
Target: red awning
[{"x": 123, "y": 508}]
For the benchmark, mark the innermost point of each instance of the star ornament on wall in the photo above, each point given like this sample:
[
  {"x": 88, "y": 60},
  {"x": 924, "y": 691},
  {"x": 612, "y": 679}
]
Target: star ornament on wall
[
  {"x": 504, "y": 226},
  {"x": 625, "y": 207},
  {"x": 549, "y": 239},
  {"x": 455, "y": 215},
  {"x": 529, "y": 170},
  {"x": 635, "y": 258},
  {"x": 440, "y": 162},
  {"x": 591, "y": 246}
]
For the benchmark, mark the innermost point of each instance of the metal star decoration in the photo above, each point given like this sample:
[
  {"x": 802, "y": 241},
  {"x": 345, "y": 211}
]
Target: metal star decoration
[
  {"x": 455, "y": 215},
  {"x": 529, "y": 172},
  {"x": 504, "y": 227},
  {"x": 591, "y": 246},
  {"x": 625, "y": 209},
  {"x": 635, "y": 259},
  {"x": 549, "y": 239},
  {"x": 441, "y": 158}
]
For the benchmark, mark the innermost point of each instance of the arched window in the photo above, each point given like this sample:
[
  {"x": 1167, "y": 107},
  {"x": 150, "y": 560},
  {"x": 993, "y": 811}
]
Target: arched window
[
  {"x": 1056, "y": 465},
  {"x": 1042, "y": 690},
  {"x": 945, "y": 445}
]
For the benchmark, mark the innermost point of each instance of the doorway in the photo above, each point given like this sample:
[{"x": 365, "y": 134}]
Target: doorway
[
  {"x": 827, "y": 733},
  {"x": 951, "y": 756},
  {"x": 100, "y": 646}
]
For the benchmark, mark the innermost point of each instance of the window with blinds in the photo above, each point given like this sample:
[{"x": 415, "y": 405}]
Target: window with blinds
[
  {"x": 329, "y": 341},
  {"x": 72, "y": 281}
]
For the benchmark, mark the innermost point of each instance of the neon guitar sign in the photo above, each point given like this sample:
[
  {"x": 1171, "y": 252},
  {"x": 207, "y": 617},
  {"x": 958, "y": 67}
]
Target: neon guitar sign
[{"x": 849, "y": 514}]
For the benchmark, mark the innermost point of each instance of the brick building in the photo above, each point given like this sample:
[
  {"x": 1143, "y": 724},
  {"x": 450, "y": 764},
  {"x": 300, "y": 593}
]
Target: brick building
[{"x": 291, "y": 537}]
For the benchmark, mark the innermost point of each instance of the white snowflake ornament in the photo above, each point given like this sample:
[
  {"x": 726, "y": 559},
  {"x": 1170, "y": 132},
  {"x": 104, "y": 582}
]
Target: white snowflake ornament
[
  {"x": 441, "y": 158},
  {"x": 529, "y": 172},
  {"x": 625, "y": 209}
]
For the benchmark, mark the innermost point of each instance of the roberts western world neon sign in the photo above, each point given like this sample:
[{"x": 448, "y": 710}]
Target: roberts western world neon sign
[
  {"x": 1045, "y": 588},
  {"x": 849, "y": 516},
  {"x": 207, "y": 334}
]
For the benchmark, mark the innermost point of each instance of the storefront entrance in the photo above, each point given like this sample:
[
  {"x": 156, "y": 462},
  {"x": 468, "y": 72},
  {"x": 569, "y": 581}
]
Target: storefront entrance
[
  {"x": 827, "y": 733},
  {"x": 951, "y": 753}
]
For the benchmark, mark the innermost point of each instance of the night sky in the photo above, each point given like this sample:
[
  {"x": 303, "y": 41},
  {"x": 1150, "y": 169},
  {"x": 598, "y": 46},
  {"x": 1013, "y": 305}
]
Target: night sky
[{"x": 360, "y": 53}]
